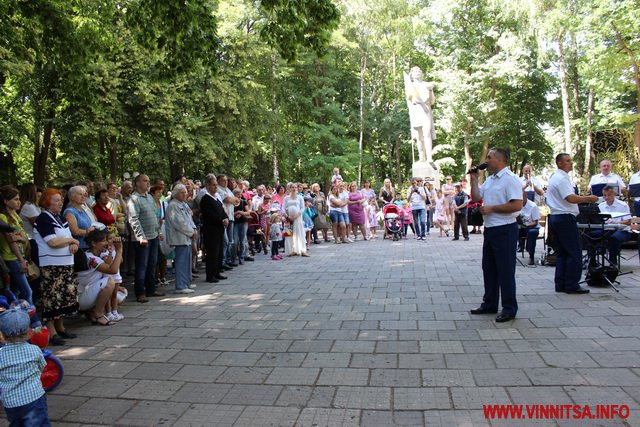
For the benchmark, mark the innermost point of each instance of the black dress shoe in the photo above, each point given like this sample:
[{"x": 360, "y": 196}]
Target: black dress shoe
[
  {"x": 482, "y": 310},
  {"x": 220, "y": 277},
  {"x": 66, "y": 335},
  {"x": 249, "y": 259},
  {"x": 212, "y": 280},
  {"x": 226, "y": 267},
  {"x": 504, "y": 317},
  {"x": 56, "y": 340},
  {"x": 531, "y": 261},
  {"x": 577, "y": 291}
]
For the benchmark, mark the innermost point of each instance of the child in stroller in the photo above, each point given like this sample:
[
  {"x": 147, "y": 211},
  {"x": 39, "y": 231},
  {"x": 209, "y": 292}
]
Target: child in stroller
[{"x": 392, "y": 221}]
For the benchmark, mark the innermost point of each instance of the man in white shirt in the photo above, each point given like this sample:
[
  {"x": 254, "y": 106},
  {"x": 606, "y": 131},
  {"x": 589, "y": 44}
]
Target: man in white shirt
[
  {"x": 257, "y": 200},
  {"x": 531, "y": 183},
  {"x": 502, "y": 195},
  {"x": 620, "y": 214},
  {"x": 563, "y": 202},
  {"x": 607, "y": 177},
  {"x": 529, "y": 227}
]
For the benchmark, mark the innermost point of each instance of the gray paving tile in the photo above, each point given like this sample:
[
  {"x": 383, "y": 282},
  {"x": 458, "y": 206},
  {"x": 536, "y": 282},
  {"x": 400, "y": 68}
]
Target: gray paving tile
[
  {"x": 363, "y": 398},
  {"x": 203, "y": 414},
  {"x": 267, "y": 416},
  {"x": 147, "y": 413},
  {"x": 313, "y": 417}
]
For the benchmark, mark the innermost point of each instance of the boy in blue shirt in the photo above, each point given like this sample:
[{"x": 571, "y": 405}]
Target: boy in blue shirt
[{"x": 21, "y": 364}]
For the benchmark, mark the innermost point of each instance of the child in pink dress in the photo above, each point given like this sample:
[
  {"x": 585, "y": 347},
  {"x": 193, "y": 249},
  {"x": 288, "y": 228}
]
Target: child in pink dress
[{"x": 407, "y": 219}]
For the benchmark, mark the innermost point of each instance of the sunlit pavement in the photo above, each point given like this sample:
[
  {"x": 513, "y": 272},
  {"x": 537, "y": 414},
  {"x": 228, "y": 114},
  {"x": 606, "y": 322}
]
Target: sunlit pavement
[{"x": 371, "y": 333}]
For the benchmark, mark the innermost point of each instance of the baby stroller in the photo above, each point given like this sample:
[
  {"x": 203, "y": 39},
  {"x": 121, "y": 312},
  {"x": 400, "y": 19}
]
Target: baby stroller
[
  {"x": 392, "y": 222},
  {"x": 52, "y": 373},
  {"x": 256, "y": 235}
]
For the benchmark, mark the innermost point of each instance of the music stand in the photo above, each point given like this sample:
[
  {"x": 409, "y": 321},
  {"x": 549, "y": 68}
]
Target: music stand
[
  {"x": 531, "y": 195},
  {"x": 596, "y": 189},
  {"x": 601, "y": 271},
  {"x": 634, "y": 190}
]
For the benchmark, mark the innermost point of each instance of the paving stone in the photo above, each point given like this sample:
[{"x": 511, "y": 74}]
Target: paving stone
[
  {"x": 602, "y": 395},
  {"x": 153, "y": 355},
  {"x": 374, "y": 361},
  {"x": 343, "y": 376},
  {"x": 152, "y": 390},
  {"x": 352, "y": 346},
  {"x": 363, "y": 398},
  {"x": 475, "y": 361},
  {"x": 195, "y": 357},
  {"x": 387, "y": 418},
  {"x": 154, "y": 371},
  {"x": 246, "y": 394},
  {"x": 105, "y": 411},
  {"x": 475, "y": 397},
  {"x": 153, "y": 413},
  {"x": 105, "y": 387},
  {"x": 395, "y": 378},
  {"x": 421, "y": 398},
  {"x": 109, "y": 369},
  {"x": 294, "y": 376},
  {"x": 198, "y": 373},
  {"x": 454, "y": 418},
  {"x": 201, "y": 393},
  {"x": 203, "y": 414},
  {"x": 281, "y": 359},
  {"x": 610, "y": 376},
  {"x": 267, "y": 416},
  {"x": 500, "y": 377},
  {"x": 447, "y": 377},
  {"x": 230, "y": 344},
  {"x": 441, "y": 347},
  {"x": 538, "y": 395},
  {"x": 568, "y": 359},
  {"x": 420, "y": 361},
  {"x": 616, "y": 359},
  {"x": 241, "y": 375},
  {"x": 555, "y": 376},
  {"x": 313, "y": 417}
]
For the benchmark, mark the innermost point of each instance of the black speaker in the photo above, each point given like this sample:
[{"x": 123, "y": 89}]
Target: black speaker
[{"x": 601, "y": 276}]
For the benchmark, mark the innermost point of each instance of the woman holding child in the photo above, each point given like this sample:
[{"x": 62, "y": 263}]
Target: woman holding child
[{"x": 97, "y": 289}]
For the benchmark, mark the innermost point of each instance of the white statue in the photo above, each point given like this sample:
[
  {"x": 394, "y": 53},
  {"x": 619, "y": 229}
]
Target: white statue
[{"x": 420, "y": 98}]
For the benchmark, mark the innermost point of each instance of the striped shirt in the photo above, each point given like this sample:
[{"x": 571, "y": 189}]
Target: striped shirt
[
  {"x": 21, "y": 364},
  {"x": 143, "y": 216}
]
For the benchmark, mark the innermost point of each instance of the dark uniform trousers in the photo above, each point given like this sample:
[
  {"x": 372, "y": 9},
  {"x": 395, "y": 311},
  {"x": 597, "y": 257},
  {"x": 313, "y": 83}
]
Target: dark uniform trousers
[
  {"x": 213, "y": 244},
  {"x": 568, "y": 253},
  {"x": 499, "y": 267}
]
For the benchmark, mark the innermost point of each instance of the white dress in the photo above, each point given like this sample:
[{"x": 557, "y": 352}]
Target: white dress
[
  {"x": 294, "y": 206},
  {"x": 440, "y": 214}
]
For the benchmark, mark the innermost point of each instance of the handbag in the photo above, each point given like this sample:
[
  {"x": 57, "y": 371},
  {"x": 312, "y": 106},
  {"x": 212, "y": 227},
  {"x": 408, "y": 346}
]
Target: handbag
[
  {"x": 80, "y": 261},
  {"x": 33, "y": 272}
]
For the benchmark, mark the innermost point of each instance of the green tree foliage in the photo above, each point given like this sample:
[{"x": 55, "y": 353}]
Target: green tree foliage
[{"x": 290, "y": 89}]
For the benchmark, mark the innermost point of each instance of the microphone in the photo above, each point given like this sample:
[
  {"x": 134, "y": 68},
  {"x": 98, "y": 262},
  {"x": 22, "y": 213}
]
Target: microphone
[{"x": 480, "y": 167}]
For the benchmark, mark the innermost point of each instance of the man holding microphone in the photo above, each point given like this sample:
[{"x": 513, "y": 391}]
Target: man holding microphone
[
  {"x": 563, "y": 202},
  {"x": 502, "y": 194}
]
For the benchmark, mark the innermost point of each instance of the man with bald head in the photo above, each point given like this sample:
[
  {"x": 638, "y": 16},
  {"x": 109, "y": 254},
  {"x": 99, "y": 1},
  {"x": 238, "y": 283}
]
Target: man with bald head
[{"x": 608, "y": 178}]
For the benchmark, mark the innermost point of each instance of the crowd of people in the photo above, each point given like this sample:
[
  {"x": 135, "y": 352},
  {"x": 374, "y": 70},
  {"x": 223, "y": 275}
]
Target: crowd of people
[{"x": 66, "y": 250}]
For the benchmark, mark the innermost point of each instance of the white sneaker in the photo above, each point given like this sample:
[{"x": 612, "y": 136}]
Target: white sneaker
[
  {"x": 350, "y": 240},
  {"x": 112, "y": 317},
  {"x": 184, "y": 291},
  {"x": 193, "y": 286},
  {"x": 116, "y": 316}
]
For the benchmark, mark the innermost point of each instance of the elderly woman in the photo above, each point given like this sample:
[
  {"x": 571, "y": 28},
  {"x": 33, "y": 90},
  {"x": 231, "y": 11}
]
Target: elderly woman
[
  {"x": 321, "y": 207},
  {"x": 181, "y": 231},
  {"x": 76, "y": 215},
  {"x": 293, "y": 206},
  {"x": 56, "y": 247},
  {"x": 14, "y": 247},
  {"x": 97, "y": 291}
]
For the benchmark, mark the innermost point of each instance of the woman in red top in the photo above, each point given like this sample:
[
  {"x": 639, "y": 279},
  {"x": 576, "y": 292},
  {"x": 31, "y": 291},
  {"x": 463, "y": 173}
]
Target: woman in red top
[{"x": 101, "y": 209}]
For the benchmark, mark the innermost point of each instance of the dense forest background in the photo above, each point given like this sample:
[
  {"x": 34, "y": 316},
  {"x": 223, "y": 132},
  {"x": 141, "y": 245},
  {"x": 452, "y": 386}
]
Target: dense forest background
[{"x": 287, "y": 89}]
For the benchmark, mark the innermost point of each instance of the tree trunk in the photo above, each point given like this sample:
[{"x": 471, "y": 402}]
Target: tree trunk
[
  {"x": 467, "y": 149},
  {"x": 41, "y": 152},
  {"x": 568, "y": 148},
  {"x": 170, "y": 153},
  {"x": 636, "y": 77},
  {"x": 398, "y": 168},
  {"x": 587, "y": 147},
  {"x": 576, "y": 107},
  {"x": 363, "y": 68},
  {"x": 113, "y": 159},
  {"x": 374, "y": 170},
  {"x": 274, "y": 134},
  {"x": 390, "y": 158}
]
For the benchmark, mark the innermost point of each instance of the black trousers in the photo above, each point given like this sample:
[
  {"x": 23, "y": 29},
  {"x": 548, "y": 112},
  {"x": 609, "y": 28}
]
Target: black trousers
[
  {"x": 460, "y": 221},
  {"x": 213, "y": 238}
]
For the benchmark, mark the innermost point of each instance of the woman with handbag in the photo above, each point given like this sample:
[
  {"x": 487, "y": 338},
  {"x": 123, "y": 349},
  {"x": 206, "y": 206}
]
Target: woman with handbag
[
  {"x": 56, "y": 249},
  {"x": 14, "y": 247}
]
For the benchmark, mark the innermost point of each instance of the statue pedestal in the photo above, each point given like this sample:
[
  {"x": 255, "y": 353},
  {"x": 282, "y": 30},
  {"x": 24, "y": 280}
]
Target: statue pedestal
[{"x": 428, "y": 171}]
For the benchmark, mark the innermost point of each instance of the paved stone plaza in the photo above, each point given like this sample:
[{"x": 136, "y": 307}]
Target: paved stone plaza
[{"x": 372, "y": 333}]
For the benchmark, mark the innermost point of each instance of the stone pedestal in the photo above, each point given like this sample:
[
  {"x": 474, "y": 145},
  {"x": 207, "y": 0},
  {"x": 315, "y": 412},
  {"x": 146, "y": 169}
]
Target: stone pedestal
[{"x": 428, "y": 171}]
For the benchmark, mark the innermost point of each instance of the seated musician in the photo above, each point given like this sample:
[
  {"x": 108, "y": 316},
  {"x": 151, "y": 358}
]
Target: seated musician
[
  {"x": 529, "y": 227},
  {"x": 620, "y": 214}
]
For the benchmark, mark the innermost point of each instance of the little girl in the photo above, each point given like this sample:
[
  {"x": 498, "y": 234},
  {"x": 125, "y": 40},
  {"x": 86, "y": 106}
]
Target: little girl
[
  {"x": 275, "y": 236},
  {"x": 407, "y": 219},
  {"x": 108, "y": 255},
  {"x": 307, "y": 219},
  {"x": 373, "y": 219}
]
